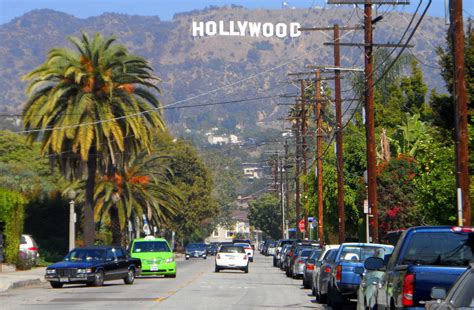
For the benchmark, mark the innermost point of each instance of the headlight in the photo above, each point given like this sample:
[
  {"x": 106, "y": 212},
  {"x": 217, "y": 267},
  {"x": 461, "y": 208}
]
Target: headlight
[
  {"x": 81, "y": 271},
  {"x": 50, "y": 271},
  {"x": 84, "y": 270},
  {"x": 170, "y": 260}
]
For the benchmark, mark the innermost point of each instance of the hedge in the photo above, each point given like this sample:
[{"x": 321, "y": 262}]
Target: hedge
[{"x": 12, "y": 213}]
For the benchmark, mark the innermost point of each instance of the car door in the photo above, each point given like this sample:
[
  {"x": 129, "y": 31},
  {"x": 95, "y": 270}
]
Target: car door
[
  {"x": 111, "y": 266},
  {"x": 122, "y": 263}
]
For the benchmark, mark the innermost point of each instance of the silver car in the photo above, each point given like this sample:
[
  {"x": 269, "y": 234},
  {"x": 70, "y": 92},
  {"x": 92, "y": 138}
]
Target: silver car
[
  {"x": 29, "y": 249},
  {"x": 321, "y": 275}
]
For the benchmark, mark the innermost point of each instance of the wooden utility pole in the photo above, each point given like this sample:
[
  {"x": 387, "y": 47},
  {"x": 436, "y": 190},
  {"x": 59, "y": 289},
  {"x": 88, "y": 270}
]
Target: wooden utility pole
[
  {"x": 370, "y": 121},
  {"x": 460, "y": 101},
  {"x": 319, "y": 159},
  {"x": 287, "y": 185},
  {"x": 297, "y": 170},
  {"x": 339, "y": 138},
  {"x": 282, "y": 202},
  {"x": 303, "y": 146}
]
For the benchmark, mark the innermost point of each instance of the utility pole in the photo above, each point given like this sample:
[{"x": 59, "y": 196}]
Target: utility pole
[
  {"x": 370, "y": 120},
  {"x": 282, "y": 200},
  {"x": 339, "y": 139},
  {"x": 319, "y": 155},
  {"x": 287, "y": 185},
  {"x": 303, "y": 146},
  {"x": 297, "y": 169},
  {"x": 460, "y": 101}
]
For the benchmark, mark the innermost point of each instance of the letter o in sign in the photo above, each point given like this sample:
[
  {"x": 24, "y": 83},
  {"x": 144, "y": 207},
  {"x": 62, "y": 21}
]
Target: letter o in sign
[
  {"x": 281, "y": 30},
  {"x": 267, "y": 30},
  {"x": 211, "y": 28}
]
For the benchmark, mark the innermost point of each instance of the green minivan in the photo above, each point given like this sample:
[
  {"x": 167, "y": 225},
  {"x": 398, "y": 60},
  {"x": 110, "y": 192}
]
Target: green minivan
[{"x": 156, "y": 256}]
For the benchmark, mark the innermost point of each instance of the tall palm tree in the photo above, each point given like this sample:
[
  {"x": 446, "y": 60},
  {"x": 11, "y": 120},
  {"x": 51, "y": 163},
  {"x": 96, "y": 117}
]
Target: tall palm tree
[
  {"x": 143, "y": 188},
  {"x": 88, "y": 107}
]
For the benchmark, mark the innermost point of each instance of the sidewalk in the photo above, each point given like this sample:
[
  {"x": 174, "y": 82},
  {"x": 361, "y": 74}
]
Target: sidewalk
[{"x": 9, "y": 280}]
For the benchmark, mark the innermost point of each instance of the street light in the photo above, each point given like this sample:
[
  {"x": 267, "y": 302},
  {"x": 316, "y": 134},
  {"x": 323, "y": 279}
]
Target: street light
[{"x": 72, "y": 219}]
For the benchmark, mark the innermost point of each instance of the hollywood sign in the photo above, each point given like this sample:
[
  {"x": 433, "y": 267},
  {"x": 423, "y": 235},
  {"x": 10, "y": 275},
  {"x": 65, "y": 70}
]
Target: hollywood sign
[{"x": 245, "y": 28}]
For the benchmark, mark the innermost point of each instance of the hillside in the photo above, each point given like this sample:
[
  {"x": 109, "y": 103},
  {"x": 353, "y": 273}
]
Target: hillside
[{"x": 191, "y": 66}]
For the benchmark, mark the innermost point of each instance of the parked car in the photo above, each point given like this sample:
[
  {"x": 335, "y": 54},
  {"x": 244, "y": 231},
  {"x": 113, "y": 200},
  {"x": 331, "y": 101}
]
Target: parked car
[
  {"x": 156, "y": 256},
  {"x": 423, "y": 258},
  {"x": 460, "y": 296},
  {"x": 248, "y": 250},
  {"x": 29, "y": 249},
  {"x": 309, "y": 268},
  {"x": 322, "y": 269},
  {"x": 231, "y": 257},
  {"x": 292, "y": 261},
  {"x": 291, "y": 256},
  {"x": 370, "y": 279},
  {"x": 212, "y": 248},
  {"x": 244, "y": 241},
  {"x": 93, "y": 266},
  {"x": 343, "y": 281},
  {"x": 283, "y": 253},
  {"x": 271, "y": 248},
  {"x": 197, "y": 250},
  {"x": 279, "y": 246},
  {"x": 300, "y": 261}
]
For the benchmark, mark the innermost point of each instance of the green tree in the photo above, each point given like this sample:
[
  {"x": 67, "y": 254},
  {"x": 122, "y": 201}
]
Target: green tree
[
  {"x": 89, "y": 109},
  {"x": 196, "y": 217},
  {"x": 265, "y": 214}
]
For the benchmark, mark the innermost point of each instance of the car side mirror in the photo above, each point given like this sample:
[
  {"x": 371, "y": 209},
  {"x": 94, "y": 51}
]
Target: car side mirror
[
  {"x": 438, "y": 293},
  {"x": 359, "y": 270},
  {"x": 374, "y": 263}
]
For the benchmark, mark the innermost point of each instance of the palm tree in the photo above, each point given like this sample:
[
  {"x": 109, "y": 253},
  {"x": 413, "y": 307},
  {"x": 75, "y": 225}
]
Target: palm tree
[
  {"x": 143, "y": 188},
  {"x": 90, "y": 110}
]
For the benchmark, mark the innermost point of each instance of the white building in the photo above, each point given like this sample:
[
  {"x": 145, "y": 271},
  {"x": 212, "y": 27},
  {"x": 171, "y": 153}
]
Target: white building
[{"x": 224, "y": 234}]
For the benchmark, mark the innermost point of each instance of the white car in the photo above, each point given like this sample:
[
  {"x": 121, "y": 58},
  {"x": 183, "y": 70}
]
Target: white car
[
  {"x": 232, "y": 257},
  {"x": 29, "y": 249},
  {"x": 248, "y": 250}
]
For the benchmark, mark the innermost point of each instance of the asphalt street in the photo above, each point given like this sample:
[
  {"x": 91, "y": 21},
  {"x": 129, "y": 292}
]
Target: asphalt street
[{"x": 196, "y": 286}]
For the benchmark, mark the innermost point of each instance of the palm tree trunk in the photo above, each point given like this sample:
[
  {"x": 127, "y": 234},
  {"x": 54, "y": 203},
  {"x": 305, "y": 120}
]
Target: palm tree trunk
[
  {"x": 89, "y": 225},
  {"x": 115, "y": 225}
]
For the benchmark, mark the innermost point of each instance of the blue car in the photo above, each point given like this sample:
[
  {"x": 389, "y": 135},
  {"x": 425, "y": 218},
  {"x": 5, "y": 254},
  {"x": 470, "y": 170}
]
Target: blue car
[
  {"x": 93, "y": 266},
  {"x": 344, "y": 281}
]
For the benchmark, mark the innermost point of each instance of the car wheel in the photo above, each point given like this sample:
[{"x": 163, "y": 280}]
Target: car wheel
[
  {"x": 204, "y": 257},
  {"x": 217, "y": 269},
  {"x": 130, "y": 276},
  {"x": 246, "y": 269},
  {"x": 251, "y": 259},
  {"x": 336, "y": 305},
  {"x": 99, "y": 278},
  {"x": 170, "y": 275},
  {"x": 187, "y": 258},
  {"x": 55, "y": 284}
]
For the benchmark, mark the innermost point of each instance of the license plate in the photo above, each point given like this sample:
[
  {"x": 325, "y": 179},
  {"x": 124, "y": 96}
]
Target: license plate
[
  {"x": 154, "y": 268},
  {"x": 63, "y": 279}
]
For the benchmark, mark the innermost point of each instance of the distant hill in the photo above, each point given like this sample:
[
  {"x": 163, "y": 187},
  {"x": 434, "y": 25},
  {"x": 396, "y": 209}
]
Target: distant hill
[{"x": 190, "y": 66}]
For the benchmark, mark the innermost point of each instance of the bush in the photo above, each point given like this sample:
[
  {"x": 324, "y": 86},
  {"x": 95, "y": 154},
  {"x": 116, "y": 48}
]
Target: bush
[{"x": 12, "y": 212}]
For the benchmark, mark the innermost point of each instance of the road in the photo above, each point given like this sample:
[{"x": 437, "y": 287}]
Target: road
[{"x": 197, "y": 286}]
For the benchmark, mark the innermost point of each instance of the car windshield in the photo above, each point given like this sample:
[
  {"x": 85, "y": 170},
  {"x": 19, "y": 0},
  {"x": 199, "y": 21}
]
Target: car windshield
[
  {"x": 245, "y": 245},
  {"x": 150, "y": 246},
  {"x": 85, "y": 255},
  {"x": 232, "y": 249},
  {"x": 196, "y": 246},
  {"x": 361, "y": 253},
  {"x": 440, "y": 249}
]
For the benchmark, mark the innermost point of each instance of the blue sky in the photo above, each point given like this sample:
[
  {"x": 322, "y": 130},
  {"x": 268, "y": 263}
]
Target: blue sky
[{"x": 10, "y": 9}]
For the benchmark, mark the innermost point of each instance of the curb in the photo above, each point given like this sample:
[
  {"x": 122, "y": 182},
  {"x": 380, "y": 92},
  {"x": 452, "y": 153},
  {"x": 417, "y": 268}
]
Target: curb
[{"x": 20, "y": 284}]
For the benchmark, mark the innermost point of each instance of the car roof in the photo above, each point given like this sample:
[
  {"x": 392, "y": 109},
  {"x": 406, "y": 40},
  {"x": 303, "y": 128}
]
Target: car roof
[
  {"x": 149, "y": 239},
  {"x": 366, "y": 244},
  {"x": 98, "y": 247}
]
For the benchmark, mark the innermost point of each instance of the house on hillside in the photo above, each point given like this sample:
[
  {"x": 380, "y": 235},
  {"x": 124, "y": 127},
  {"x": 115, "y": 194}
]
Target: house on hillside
[{"x": 227, "y": 234}]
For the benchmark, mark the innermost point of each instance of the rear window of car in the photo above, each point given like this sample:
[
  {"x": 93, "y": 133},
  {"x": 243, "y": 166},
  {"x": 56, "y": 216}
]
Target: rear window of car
[
  {"x": 246, "y": 245},
  {"x": 23, "y": 240},
  {"x": 150, "y": 246},
  {"x": 306, "y": 253},
  {"x": 232, "y": 249},
  {"x": 361, "y": 253},
  {"x": 315, "y": 254},
  {"x": 440, "y": 249}
]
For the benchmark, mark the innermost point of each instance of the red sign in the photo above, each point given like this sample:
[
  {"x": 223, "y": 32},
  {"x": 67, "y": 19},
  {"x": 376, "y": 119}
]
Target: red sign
[{"x": 301, "y": 225}]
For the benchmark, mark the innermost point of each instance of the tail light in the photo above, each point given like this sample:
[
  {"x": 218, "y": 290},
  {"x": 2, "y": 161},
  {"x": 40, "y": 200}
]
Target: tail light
[
  {"x": 32, "y": 249},
  {"x": 462, "y": 229},
  {"x": 339, "y": 273},
  {"x": 218, "y": 256},
  {"x": 245, "y": 256},
  {"x": 310, "y": 267},
  {"x": 291, "y": 253},
  {"x": 327, "y": 269},
  {"x": 408, "y": 290}
]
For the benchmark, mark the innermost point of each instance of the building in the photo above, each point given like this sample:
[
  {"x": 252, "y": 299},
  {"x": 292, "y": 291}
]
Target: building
[{"x": 227, "y": 234}]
